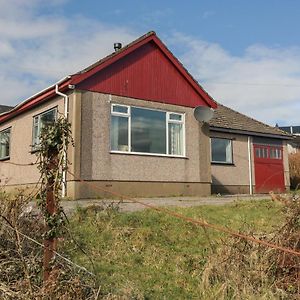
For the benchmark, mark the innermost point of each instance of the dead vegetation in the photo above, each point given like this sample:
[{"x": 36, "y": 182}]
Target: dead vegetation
[
  {"x": 21, "y": 255},
  {"x": 243, "y": 270},
  {"x": 294, "y": 165}
]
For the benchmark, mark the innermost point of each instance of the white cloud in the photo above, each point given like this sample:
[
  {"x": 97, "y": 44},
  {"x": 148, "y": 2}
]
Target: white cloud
[
  {"x": 263, "y": 83},
  {"x": 36, "y": 49}
]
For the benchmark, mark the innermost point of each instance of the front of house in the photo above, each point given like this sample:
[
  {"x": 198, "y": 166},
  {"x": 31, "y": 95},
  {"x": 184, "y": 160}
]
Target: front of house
[{"x": 133, "y": 124}]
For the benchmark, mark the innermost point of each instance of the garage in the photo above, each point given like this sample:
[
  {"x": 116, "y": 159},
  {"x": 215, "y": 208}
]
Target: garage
[{"x": 269, "y": 168}]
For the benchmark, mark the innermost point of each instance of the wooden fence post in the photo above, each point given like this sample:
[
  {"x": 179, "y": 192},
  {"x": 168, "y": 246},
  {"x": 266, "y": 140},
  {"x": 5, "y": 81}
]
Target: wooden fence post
[{"x": 50, "y": 243}]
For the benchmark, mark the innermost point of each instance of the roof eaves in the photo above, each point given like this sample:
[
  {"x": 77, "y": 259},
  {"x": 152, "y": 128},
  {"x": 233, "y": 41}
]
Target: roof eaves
[
  {"x": 250, "y": 133},
  {"x": 18, "y": 108}
]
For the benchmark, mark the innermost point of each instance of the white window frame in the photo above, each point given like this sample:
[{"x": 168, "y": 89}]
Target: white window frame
[
  {"x": 168, "y": 121},
  {"x": 37, "y": 122},
  {"x": 2, "y": 132},
  {"x": 172, "y": 121},
  {"x": 231, "y": 148}
]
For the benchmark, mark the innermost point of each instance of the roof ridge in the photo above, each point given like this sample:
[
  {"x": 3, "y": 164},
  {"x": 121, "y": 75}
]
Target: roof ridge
[{"x": 100, "y": 61}]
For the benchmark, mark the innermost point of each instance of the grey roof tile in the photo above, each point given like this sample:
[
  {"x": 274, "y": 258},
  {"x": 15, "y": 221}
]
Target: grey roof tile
[{"x": 227, "y": 118}]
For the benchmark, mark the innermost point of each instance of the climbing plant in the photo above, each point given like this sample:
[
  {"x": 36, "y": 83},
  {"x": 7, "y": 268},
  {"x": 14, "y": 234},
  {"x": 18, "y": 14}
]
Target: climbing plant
[{"x": 52, "y": 162}]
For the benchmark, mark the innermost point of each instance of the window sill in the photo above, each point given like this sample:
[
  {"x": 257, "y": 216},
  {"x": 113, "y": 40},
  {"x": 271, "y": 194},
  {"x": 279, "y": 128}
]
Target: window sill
[
  {"x": 222, "y": 164},
  {"x": 148, "y": 154},
  {"x": 5, "y": 158}
]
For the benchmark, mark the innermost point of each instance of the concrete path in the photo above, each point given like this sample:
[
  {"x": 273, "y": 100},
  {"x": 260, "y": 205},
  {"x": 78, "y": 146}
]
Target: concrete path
[{"x": 127, "y": 206}]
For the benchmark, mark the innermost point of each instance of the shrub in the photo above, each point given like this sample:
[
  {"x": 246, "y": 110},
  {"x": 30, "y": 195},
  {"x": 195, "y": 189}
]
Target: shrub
[
  {"x": 294, "y": 164},
  {"x": 21, "y": 258}
]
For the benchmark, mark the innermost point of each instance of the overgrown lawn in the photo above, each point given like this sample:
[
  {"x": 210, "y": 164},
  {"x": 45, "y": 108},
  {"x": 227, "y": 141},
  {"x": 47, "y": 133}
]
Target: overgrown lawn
[{"x": 151, "y": 255}]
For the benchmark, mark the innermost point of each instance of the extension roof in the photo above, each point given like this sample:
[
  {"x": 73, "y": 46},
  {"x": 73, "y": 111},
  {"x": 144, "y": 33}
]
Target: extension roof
[
  {"x": 80, "y": 79},
  {"x": 5, "y": 108},
  {"x": 228, "y": 120}
]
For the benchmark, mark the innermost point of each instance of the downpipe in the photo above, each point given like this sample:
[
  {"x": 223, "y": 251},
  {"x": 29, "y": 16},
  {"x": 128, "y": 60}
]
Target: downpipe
[
  {"x": 66, "y": 115},
  {"x": 250, "y": 165}
]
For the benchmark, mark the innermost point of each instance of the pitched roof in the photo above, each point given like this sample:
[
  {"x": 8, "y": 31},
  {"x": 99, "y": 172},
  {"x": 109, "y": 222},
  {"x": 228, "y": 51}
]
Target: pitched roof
[
  {"x": 4, "y": 108},
  {"x": 148, "y": 37},
  {"x": 64, "y": 84},
  {"x": 227, "y": 119}
]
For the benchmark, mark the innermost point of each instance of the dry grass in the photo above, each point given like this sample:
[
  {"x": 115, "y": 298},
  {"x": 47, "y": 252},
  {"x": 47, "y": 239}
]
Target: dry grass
[{"x": 243, "y": 270}]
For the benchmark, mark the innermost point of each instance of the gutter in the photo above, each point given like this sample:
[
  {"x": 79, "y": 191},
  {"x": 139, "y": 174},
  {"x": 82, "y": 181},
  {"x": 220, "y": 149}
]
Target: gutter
[
  {"x": 251, "y": 133},
  {"x": 7, "y": 113}
]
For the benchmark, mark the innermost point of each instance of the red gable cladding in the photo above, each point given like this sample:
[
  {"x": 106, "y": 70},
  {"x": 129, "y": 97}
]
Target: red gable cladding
[{"x": 146, "y": 73}]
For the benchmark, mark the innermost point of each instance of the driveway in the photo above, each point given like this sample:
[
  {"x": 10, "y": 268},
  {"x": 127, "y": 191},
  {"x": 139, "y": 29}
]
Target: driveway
[{"x": 128, "y": 206}]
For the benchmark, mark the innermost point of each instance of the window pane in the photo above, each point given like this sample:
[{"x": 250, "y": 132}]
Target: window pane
[
  {"x": 119, "y": 133},
  {"x": 148, "y": 131},
  {"x": 279, "y": 153},
  {"x": 176, "y": 117},
  {"x": 48, "y": 118},
  {"x": 265, "y": 152},
  {"x": 272, "y": 153},
  {"x": 221, "y": 150},
  {"x": 120, "y": 109},
  {"x": 275, "y": 153},
  {"x": 175, "y": 139},
  {"x": 257, "y": 152},
  {"x": 39, "y": 122},
  {"x": 35, "y": 135},
  {"x": 4, "y": 143}
]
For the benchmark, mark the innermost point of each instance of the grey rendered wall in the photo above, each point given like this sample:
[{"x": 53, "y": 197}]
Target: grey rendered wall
[
  {"x": 232, "y": 178},
  {"x": 98, "y": 164}
]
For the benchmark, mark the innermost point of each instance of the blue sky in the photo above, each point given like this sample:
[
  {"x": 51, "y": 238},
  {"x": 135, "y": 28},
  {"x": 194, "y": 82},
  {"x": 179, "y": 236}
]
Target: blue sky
[
  {"x": 235, "y": 24},
  {"x": 246, "y": 54}
]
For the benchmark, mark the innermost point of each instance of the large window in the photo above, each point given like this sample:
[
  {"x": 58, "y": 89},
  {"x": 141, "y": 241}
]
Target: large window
[
  {"x": 4, "y": 143},
  {"x": 221, "y": 150},
  {"x": 140, "y": 130},
  {"x": 41, "y": 121}
]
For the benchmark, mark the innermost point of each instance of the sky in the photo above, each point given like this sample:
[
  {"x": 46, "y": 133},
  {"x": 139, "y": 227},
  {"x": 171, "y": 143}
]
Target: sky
[{"x": 246, "y": 54}]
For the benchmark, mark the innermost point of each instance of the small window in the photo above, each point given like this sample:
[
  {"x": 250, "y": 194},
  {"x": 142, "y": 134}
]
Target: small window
[
  {"x": 221, "y": 150},
  {"x": 275, "y": 153},
  {"x": 262, "y": 152},
  {"x": 41, "y": 121},
  {"x": 175, "y": 117},
  {"x": 4, "y": 143},
  {"x": 122, "y": 109}
]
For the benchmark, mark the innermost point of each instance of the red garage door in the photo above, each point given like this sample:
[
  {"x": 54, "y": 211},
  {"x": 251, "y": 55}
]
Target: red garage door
[{"x": 269, "y": 174}]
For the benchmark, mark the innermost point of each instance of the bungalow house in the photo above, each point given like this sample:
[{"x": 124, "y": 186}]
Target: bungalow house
[{"x": 133, "y": 124}]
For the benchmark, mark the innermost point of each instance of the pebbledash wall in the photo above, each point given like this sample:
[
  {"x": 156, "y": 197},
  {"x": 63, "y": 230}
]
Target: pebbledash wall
[
  {"x": 235, "y": 178},
  {"x": 17, "y": 173},
  {"x": 138, "y": 174},
  {"x": 21, "y": 175},
  {"x": 92, "y": 160}
]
